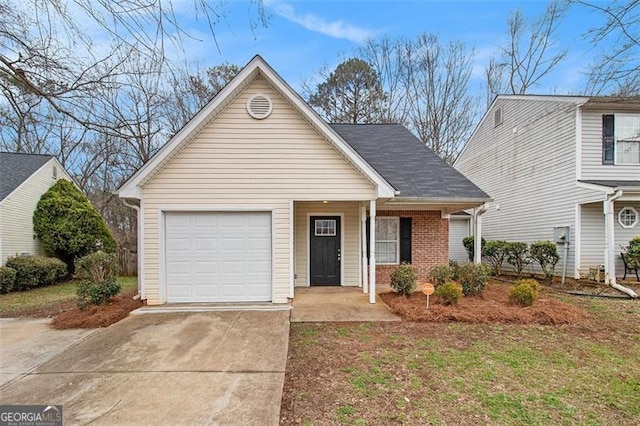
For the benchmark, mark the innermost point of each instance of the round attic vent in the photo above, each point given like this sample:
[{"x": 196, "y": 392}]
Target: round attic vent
[{"x": 259, "y": 106}]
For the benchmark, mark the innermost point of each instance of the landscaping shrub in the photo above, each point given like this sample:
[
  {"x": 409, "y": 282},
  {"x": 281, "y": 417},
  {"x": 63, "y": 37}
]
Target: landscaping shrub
[
  {"x": 474, "y": 278},
  {"x": 68, "y": 225},
  {"x": 403, "y": 279},
  {"x": 7, "y": 279},
  {"x": 97, "y": 272},
  {"x": 546, "y": 254},
  {"x": 467, "y": 242},
  {"x": 455, "y": 270},
  {"x": 495, "y": 251},
  {"x": 518, "y": 256},
  {"x": 633, "y": 252},
  {"x": 36, "y": 271},
  {"x": 449, "y": 293},
  {"x": 440, "y": 274},
  {"x": 524, "y": 293}
]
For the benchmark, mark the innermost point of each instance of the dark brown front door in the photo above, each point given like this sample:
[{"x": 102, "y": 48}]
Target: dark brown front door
[{"x": 324, "y": 250}]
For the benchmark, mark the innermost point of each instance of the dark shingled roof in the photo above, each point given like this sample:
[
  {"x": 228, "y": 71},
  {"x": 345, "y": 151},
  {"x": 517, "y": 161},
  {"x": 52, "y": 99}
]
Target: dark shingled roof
[
  {"x": 614, "y": 183},
  {"x": 406, "y": 163},
  {"x": 16, "y": 168}
]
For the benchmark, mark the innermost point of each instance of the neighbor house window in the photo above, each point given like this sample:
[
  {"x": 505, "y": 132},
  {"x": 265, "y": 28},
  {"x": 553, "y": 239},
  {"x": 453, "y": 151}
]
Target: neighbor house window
[
  {"x": 387, "y": 240},
  {"x": 621, "y": 139},
  {"x": 628, "y": 217}
]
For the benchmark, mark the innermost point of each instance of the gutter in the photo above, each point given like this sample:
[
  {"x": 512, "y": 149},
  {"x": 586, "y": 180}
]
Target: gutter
[{"x": 477, "y": 232}]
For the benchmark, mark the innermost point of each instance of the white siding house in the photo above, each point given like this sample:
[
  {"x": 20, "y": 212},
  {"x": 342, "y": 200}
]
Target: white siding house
[
  {"x": 257, "y": 195},
  {"x": 23, "y": 180},
  {"x": 542, "y": 159}
]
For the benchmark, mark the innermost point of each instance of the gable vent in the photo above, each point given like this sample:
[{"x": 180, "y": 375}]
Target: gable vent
[
  {"x": 497, "y": 117},
  {"x": 259, "y": 106}
]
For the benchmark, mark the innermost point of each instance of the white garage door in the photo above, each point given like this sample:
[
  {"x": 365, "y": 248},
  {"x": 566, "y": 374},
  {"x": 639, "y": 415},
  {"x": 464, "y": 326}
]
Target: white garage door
[
  {"x": 458, "y": 229},
  {"x": 218, "y": 257}
]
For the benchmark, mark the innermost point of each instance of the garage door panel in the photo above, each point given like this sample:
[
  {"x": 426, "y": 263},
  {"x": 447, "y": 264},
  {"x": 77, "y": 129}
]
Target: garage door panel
[{"x": 218, "y": 257}]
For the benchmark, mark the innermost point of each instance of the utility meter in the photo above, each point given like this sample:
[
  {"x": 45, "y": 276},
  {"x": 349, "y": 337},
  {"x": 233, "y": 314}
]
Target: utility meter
[{"x": 561, "y": 234}]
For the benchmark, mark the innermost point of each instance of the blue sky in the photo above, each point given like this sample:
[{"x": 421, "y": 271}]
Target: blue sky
[{"x": 302, "y": 36}]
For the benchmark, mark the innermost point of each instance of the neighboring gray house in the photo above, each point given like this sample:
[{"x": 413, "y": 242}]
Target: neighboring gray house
[
  {"x": 23, "y": 180},
  {"x": 552, "y": 161}
]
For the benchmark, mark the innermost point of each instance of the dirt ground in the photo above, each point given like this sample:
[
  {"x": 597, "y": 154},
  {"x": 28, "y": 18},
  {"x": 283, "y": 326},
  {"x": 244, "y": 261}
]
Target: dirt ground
[
  {"x": 98, "y": 316},
  {"x": 491, "y": 308}
]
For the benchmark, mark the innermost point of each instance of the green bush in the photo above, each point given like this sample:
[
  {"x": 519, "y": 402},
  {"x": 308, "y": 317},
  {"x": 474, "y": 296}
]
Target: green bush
[
  {"x": 455, "y": 270},
  {"x": 36, "y": 271},
  {"x": 7, "y": 279},
  {"x": 403, "y": 279},
  {"x": 546, "y": 254},
  {"x": 518, "y": 256},
  {"x": 68, "y": 226},
  {"x": 473, "y": 277},
  {"x": 632, "y": 252},
  {"x": 524, "y": 293},
  {"x": 440, "y": 274},
  {"x": 449, "y": 293},
  {"x": 467, "y": 242},
  {"x": 97, "y": 272},
  {"x": 495, "y": 251}
]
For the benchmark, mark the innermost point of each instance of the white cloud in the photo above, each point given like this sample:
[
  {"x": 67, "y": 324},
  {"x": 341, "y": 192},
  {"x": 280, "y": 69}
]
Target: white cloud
[{"x": 336, "y": 29}]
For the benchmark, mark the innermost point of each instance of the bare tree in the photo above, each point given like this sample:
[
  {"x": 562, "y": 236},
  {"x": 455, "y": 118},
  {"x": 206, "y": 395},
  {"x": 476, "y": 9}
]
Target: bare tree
[
  {"x": 617, "y": 70},
  {"x": 442, "y": 110},
  {"x": 530, "y": 53}
]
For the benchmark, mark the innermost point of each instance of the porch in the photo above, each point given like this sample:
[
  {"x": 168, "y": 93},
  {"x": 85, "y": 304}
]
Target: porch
[{"x": 339, "y": 304}]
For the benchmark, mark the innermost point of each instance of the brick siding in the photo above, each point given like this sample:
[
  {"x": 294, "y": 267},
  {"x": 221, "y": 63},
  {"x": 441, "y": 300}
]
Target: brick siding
[{"x": 429, "y": 243}]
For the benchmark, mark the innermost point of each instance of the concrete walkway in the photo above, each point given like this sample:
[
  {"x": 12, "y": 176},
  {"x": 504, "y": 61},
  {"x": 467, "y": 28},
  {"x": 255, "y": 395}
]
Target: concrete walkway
[
  {"x": 168, "y": 368},
  {"x": 329, "y": 304},
  {"x": 26, "y": 343}
]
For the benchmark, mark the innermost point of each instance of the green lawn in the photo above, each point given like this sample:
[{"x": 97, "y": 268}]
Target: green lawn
[
  {"x": 45, "y": 300},
  {"x": 430, "y": 373}
]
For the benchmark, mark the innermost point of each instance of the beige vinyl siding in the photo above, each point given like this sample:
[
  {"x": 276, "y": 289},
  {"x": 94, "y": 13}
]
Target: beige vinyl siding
[
  {"x": 16, "y": 213},
  {"x": 593, "y": 235},
  {"x": 592, "y": 167},
  {"x": 527, "y": 165},
  {"x": 238, "y": 162},
  {"x": 350, "y": 243}
]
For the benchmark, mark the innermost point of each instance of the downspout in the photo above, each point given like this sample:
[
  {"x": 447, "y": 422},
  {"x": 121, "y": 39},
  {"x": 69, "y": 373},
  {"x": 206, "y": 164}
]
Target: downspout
[
  {"x": 138, "y": 219},
  {"x": 477, "y": 232},
  {"x": 610, "y": 254}
]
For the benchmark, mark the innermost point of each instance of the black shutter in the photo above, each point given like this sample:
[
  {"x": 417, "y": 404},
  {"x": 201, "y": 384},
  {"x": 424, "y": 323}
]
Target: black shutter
[
  {"x": 405, "y": 239},
  {"x": 368, "y": 226},
  {"x": 608, "y": 147}
]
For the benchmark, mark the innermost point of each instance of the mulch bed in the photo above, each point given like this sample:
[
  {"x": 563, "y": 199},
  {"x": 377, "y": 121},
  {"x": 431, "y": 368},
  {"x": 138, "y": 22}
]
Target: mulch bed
[
  {"x": 492, "y": 308},
  {"x": 104, "y": 315}
]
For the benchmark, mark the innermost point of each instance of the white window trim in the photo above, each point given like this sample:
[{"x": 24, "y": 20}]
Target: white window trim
[
  {"x": 635, "y": 222},
  {"x": 397, "y": 220},
  {"x": 615, "y": 143}
]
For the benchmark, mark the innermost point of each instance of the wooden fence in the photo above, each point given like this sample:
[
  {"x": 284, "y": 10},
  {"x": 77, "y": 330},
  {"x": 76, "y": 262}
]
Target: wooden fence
[{"x": 128, "y": 260}]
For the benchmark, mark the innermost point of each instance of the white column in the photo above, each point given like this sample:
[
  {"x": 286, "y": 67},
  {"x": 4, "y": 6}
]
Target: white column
[
  {"x": 477, "y": 235},
  {"x": 292, "y": 253},
  {"x": 372, "y": 251},
  {"x": 363, "y": 235},
  {"x": 609, "y": 231}
]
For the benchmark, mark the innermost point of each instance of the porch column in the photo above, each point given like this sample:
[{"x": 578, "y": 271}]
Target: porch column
[
  {"x": 372, "y": 251},
  {"x": 477, "y": 233},
  {"x": 363, "y": 235},
  {"x": 609, "y": 232}
]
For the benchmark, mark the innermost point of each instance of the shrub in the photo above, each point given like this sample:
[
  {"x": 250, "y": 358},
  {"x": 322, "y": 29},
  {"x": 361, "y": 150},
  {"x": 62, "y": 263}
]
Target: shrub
[
  {"x": 467, "y": 242},
  {"x": 546, "y": 254},
  {"x": 97, "y": 272},
  {"x": 524, "y": 293},
  {"x": 7, "y": 279},
  {"x": 449, "y": 293},
  {"x": 440, "y": 274},
  {"x": 455, "y": 270},
  {"x": 36, "y": 271},
  {"x": 403, "y": 279},
  {"x": 633, "y": 252},
  {"x": 68, "y": 225},
  {"x": 495, "y": 251},
  {"x": 474, "y": 277},
  {"x": 518, "y": 256}
]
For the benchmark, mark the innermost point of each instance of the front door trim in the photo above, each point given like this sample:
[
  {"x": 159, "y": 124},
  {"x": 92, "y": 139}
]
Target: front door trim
[{"x": 342, "y": 252}]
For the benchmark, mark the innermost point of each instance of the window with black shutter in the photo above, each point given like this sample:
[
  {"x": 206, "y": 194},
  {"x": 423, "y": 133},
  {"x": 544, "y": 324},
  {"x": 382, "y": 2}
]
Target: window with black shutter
[
  {"x": 405, "y": 239},
  {"x": 608, "y": 145}
]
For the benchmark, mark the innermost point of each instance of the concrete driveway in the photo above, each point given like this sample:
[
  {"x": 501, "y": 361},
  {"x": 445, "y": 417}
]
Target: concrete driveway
[{"x": 169, "y": 368}]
